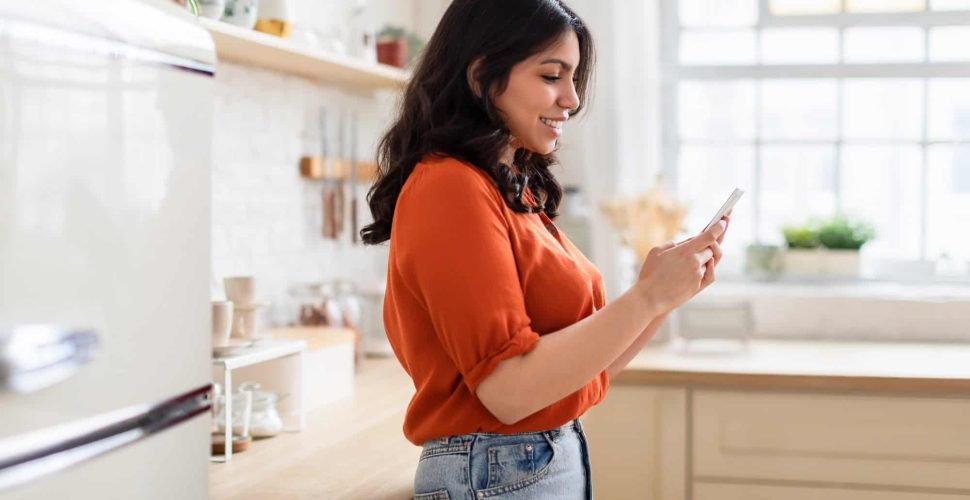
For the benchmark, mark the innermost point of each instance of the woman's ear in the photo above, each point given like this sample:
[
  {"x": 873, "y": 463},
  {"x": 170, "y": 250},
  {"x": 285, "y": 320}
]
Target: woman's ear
[{"x": 471, "y": 75}]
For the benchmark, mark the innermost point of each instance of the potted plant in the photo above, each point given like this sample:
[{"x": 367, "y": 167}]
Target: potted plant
[
  {"x": 843, "y": 238},
  {"x": 802, "y": 255},
  {"x": 392, "y": 46}
]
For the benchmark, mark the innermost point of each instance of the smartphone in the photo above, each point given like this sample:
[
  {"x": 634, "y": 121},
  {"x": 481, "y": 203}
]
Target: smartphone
[{"x": 728, "y": 205}]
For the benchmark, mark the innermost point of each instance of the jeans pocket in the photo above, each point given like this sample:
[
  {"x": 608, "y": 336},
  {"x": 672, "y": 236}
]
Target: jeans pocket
[
  {"x": 434, "y": 495},
  {"x": 517, "y": 465}
]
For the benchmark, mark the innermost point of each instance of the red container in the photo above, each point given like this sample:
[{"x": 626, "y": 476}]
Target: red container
[{"x": 394, "y": 53}]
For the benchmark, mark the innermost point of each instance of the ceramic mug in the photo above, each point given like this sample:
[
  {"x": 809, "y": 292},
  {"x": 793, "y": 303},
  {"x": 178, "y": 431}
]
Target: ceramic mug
[
  {"x": 221, "y": 322},
  {"x": 240, "y": 289}
]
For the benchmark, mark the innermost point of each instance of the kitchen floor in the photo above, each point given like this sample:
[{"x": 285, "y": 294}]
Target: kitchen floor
[{"x": 350, "y": 449}]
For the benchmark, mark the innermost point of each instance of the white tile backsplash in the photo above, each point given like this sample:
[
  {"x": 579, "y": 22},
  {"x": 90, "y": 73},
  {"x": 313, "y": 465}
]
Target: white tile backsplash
[{"x": 266, "y": 219}]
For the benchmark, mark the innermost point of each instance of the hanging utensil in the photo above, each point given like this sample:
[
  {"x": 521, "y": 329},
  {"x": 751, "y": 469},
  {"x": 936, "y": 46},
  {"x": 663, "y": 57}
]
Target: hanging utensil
[
  {"x": 340, "y": 211},
  {"x": 353, "y": 178},
  {"x": 327, "y": 195}
]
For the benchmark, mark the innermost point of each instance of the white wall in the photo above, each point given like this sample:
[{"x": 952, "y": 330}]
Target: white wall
[{"x": 266, "y": 219}]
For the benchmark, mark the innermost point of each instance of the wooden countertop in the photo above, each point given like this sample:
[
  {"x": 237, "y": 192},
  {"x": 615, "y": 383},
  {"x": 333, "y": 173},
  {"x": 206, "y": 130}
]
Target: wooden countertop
[
  {"x": 354, "y": 448},
  {"x": 919, "y": 368}
]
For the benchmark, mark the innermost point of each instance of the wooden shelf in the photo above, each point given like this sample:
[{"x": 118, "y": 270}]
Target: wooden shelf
[
  {"x": 267, "y": 51},
  {"x": 317, "y": 168}
]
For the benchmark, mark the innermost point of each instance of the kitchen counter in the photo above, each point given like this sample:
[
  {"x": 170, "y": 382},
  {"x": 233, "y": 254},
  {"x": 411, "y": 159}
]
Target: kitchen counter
[
  {"x": 355, "y": 448},
  {"x": 352, "y": 448},
  {"x": 918, "y": 368}
]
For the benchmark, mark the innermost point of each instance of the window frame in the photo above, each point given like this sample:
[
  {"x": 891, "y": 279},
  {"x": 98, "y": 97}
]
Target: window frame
[{"x": 673, "y": 73}]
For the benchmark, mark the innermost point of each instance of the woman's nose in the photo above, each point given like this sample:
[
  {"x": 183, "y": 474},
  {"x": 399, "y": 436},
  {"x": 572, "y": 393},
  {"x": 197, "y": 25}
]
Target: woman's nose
[{"x": 569, "y": 99}]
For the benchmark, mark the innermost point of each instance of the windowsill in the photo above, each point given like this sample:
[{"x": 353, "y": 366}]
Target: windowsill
[
  {"x": 858, "y": 309},
  {"x": 862, "y": 288}
]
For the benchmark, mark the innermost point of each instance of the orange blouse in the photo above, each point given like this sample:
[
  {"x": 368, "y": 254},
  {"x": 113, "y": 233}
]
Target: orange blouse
[{"x": 471, "y": 283}]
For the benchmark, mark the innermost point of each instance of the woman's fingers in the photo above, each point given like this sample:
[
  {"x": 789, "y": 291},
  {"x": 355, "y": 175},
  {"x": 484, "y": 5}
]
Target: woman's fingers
[
  {"x": 727, "y": 221},
  {"x": 708, "y": 274}
]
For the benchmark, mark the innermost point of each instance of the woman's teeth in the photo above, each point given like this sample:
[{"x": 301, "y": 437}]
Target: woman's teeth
[{"x": 556, "y": 124}]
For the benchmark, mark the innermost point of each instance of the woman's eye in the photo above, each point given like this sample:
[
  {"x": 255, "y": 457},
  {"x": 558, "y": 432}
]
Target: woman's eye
[{"x": 551, "y": 78}]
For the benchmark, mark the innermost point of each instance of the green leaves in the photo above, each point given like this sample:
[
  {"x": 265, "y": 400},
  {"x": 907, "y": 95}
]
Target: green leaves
[
  {"x": 838, "y": 232},
  {"x": 842, "y": 233}
]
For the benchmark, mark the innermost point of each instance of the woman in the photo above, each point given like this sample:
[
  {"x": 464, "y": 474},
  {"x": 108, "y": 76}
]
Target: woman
[{"x": 499, "y": 320}]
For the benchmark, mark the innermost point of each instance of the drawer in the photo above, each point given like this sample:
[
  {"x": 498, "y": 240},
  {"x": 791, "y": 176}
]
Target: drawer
[
  {"x": 714, "y": 491},
  {"x": 844, "y": 439}
]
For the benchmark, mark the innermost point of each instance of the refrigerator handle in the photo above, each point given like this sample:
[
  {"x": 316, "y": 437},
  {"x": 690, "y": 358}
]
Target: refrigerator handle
[
  {"x": 33, "y": 357},
  {"x": 26, "y": 457}
]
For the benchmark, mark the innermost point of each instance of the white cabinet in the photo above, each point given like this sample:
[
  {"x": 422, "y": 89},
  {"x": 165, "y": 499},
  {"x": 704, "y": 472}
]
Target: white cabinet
[
  {"x": 681, "y": 443},
  {"x": 637, "y": 439},
  {"x": 838, "y": 439},
  {"x": 769, "y": 492}
]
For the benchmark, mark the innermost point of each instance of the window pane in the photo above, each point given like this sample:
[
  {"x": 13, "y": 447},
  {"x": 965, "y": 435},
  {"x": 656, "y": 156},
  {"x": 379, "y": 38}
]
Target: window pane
[
  {"x": 948, "y": 207},
  {"x": 949, "y": 109},
  {"x": 721, "y": 47},
  {"x": 704, "y": 13},
  {"x": 883, "y": 109},
  {"x": 883, "y": 44},
  {"x": 798, "y": 109},
  {"x": 799, "y": 46},
  {"x": 882, "y": 185},
  {"x": 950, "y": 43},
  {"x": 804, "y": 7},
  {"x": 706, "y": 176},
  {"x": 885, "y": 5},
  {"x": 950, "y": 4},
  {"x": 797, "y": 183},
  {"x": 716, "y": 110}
]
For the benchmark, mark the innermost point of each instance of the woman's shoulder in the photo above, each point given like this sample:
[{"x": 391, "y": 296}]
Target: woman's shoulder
[{"x": 447, "y": 176}]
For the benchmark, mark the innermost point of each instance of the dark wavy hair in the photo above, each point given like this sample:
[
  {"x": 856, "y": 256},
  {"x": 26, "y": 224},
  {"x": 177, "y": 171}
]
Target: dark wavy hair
[{"x": 441, "y": 115}]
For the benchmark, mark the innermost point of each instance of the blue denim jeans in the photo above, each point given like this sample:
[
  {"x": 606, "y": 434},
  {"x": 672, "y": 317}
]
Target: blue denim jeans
[{"x": 551, "y": 464}]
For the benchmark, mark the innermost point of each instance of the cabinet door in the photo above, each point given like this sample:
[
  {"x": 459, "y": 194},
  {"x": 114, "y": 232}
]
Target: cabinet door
[
  {"x": 715, "y": 491},
  {"x": 844, "y": 439},
  {"x": 638, "y": 443}
]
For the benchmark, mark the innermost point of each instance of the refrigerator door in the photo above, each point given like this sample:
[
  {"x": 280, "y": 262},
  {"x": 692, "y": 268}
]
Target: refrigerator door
[{"x": 105, "y": 137}]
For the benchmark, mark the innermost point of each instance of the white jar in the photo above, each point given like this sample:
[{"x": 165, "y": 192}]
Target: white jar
[{"x": 265, "y": 420}]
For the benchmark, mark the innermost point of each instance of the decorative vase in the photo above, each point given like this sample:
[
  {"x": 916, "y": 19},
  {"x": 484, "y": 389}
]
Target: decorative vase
[
  {"x": 212, "y": 9},
  {"x": 763, "y": 262}
]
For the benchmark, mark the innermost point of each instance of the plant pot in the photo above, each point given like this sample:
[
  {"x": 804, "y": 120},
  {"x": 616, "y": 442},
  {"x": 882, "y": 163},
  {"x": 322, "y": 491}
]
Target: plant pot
[
  {"x": 241, "y": 13},
  {"x": 804, "y": 262},
  {"x": 841, "y": 263},
  {"x": 393, "y": 52},
  {"x": 763, "y": 262}
]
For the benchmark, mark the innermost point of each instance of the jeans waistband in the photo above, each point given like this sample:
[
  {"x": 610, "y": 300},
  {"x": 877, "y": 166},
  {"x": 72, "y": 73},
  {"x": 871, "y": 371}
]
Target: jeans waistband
[{"x": 572, "y": 425}]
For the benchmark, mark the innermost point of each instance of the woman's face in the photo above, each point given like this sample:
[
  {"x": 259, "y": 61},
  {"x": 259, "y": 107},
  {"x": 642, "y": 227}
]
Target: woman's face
[{"x": 540, "y": 94}]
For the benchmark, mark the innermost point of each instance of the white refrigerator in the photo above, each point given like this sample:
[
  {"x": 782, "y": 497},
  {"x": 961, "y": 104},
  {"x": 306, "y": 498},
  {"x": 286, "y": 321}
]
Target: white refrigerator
[{"x": 105, "y": 139}]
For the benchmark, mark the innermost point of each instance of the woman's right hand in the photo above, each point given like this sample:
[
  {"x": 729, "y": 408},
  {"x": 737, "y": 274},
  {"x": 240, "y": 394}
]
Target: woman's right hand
[{"x": 673, "y": 273}]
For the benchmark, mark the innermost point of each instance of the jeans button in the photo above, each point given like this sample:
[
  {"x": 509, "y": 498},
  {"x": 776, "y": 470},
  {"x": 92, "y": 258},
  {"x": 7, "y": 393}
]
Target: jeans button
[{"x": 480, "y": 495}]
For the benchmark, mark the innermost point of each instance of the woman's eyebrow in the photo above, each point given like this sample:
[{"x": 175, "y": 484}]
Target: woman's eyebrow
[{"x": 565, "y": 65}]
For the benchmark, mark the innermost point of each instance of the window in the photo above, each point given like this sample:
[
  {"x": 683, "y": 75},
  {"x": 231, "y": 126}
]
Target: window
[{"x": 820, "y": 106}]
